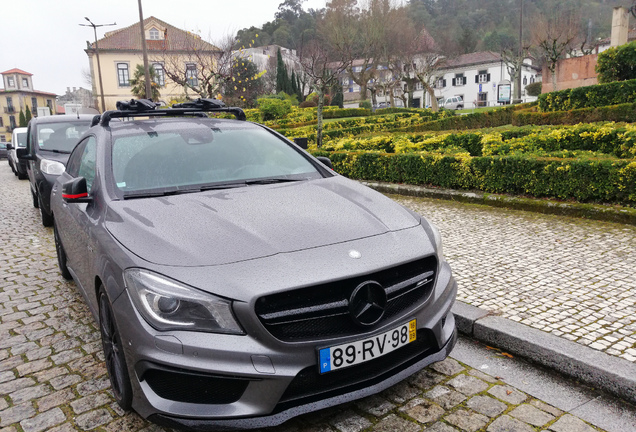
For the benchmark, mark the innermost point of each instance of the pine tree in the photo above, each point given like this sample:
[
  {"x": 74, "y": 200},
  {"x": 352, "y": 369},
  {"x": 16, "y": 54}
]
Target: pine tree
[
  {"x": 27, "y": 115},
  {"x": 301, "y": 96},
  {"x": 21, "y": 119},
  {"x": 282, "y": 79},
  {"x": 293, "y": 85}
]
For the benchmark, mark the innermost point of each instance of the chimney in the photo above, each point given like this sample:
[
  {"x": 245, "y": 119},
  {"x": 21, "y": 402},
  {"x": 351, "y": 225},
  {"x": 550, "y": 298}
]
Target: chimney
[{"x": 620, "y": 26}]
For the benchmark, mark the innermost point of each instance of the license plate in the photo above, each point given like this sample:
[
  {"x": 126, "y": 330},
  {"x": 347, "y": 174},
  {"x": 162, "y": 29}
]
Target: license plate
[{"x": 353, "y": 353}]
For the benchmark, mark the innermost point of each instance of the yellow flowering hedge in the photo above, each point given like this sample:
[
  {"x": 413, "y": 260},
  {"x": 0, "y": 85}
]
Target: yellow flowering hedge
[{"x": 584, "y": 179}]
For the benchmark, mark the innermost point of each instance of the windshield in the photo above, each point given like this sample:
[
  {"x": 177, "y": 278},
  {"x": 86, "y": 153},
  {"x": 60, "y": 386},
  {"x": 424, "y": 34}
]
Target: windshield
[
  {"x": 60, "y": 137},
  {"x": 202, "y": 155},
  {"x": 21, "y": 139}
]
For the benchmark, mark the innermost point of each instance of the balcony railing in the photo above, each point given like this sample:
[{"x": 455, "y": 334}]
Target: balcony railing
[{"x": 9, "y": 110}]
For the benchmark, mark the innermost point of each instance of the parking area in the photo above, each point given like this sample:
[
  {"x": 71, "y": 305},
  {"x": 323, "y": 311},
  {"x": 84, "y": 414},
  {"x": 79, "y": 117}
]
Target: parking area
[{"x": 52, "y": 375}]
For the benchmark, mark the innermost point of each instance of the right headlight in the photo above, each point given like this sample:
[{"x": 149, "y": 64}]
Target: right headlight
[{"x": 169, "y": 305}]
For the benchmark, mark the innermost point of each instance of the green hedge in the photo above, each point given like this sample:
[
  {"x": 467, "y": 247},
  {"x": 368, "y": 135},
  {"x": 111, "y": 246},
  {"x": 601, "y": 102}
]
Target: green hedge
[
  {"x": 617, "y": 113},
  {"x": 583, "y": 179},
  {"x": 615, "y": 93}
]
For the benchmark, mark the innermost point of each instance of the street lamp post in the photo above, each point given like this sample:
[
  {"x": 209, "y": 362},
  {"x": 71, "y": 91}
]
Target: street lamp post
[
  {"x": 99, "y": 67},
  {"x": 145, "y": 52}
]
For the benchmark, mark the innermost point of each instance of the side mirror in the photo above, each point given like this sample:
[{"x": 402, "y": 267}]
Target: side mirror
[
  {"x": 325, "y": 161},
  {"x": 75, "y": 191},
  {"x": 9, "y": 146},
  {"x": 23, "y": 154}
]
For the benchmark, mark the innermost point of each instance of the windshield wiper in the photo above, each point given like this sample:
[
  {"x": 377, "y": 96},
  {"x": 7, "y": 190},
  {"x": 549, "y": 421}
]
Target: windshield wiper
[
  {"x": 270, "y": 181},
  {"x": 147, "y": 193},
  {"x": 55, "y": 151}
]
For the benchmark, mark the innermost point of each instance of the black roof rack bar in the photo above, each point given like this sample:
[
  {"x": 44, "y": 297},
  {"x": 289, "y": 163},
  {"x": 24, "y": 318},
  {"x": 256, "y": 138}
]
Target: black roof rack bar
[{"x": 147, "y": 108}]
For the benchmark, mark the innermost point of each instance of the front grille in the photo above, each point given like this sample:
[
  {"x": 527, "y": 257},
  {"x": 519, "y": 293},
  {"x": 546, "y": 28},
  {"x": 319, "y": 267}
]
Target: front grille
[
  {"x": 309, "y": 385},
  {"x": 186, "y": 386},
  {"x": 322, "y": 311}
]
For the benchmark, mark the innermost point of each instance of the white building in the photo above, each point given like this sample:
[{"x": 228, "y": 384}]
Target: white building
[
  {"x": 264, "y": 57},
  {"x": 476, "y": 77}
]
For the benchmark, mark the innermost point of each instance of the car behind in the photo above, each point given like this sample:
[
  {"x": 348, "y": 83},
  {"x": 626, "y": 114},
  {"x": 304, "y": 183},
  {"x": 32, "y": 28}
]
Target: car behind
[{"x": 50, "y": 140}]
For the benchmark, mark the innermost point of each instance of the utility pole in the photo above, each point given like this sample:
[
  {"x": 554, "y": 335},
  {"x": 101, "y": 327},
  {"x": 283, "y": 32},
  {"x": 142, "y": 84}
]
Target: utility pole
[
  {"x": 145, "y": 52},
  {"x": 518, "y": 89},
  {"x": 99, "y": 67}
]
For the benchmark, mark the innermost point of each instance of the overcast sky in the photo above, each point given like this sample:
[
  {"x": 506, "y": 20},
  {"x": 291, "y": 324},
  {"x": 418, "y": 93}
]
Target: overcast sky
[{"x": 43, "y": 37}]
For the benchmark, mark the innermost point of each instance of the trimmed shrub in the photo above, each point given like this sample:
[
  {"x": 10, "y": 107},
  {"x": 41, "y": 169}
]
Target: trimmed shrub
[
  {"x": 308, "y": 104},
  {"x": 272, "y": 109},
  {"x": 618, "y": 113},
  {"x": 582, "y": 179},
  {"x": 534, "y": 89},
  {"x": 589, "y": 97},
  {"x": 365, "y": 104},
  {"x": 617, "y": 63}
]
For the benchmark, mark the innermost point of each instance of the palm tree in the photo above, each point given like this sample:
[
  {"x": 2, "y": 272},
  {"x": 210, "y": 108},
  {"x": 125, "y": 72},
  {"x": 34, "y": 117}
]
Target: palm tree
[{"x": 138, "y": 83}]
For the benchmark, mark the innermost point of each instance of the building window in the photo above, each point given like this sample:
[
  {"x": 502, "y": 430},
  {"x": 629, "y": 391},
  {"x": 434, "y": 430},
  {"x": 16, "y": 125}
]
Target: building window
[
  {"x": 12, "y": 122},
  {"x": 25, "y": 83},
  {"x": 123, "y": 79},
  {"x": 1, "y": 122},
  {"x": 160, "y": 74},
  {"x": 2, "y": 138},
  {"x": 459, "y": 80},
  {"x": 482, "y": 77},
  {"x": 154, "y": 34},
  {"x": 419, "y": 86},
  {"x": 525, "y": 80},
  {"x": 49, "y": 103},
  {"x": 10, "y": 82},
  {"x": 440, "y": 83},
  {"x": 191, "y": 75},
  {"x": 34, "y": 104},
  {"x": 10, "y": 105},
  {"x": 531, "y": 80}
]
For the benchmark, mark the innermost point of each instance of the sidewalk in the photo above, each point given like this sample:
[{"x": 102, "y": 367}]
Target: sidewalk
[{"x": 570, "y": 282}]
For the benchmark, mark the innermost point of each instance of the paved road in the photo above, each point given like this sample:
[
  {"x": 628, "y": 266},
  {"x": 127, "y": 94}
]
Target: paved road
[
  {"x": 570, "y": 277},
  {"x": 52, "y": 375}
]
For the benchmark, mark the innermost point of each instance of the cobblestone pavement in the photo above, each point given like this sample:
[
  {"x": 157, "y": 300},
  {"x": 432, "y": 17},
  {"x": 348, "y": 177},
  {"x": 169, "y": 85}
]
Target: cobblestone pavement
[
  {"x": 52, "y": 375},
  {"x": 570, "y": 277}
]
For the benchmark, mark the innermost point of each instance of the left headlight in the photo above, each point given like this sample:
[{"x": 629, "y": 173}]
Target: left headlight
[
  {"x": 169, "y": 305},
  {"x": 51, "y": 167}
]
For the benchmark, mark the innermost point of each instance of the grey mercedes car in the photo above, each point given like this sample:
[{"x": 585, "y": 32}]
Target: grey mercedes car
[{"x": 237, "y": 280}]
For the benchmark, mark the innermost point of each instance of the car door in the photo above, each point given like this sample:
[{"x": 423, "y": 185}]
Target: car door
[{"x": 77, "y": 219}]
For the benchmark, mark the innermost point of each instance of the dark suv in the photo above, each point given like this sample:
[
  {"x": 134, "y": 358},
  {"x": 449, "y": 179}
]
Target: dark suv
[
  {"x": 238, "y": 281},
  {"x": 50, "y": 139}
]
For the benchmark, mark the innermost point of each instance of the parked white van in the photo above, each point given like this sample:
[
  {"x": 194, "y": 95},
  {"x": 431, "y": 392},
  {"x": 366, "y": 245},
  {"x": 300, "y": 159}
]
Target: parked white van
[{"x": 18, "y": 140}]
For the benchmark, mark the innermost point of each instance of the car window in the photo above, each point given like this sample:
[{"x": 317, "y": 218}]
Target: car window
[
  {"x": 60, "y": 136},
  {"x": 73, "y": 164},
  {"x": 21, "y": 139},
  {"x": 87, "y": 162},
  {"x": 200, "y": 154}
]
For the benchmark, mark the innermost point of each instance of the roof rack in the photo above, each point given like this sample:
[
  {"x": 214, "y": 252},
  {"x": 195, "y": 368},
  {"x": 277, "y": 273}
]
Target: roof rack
[{"x": 148, "y": 108}]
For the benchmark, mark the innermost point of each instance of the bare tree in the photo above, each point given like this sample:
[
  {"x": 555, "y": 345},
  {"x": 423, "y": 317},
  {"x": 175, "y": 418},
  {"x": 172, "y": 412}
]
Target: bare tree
[
  {"x": 554, "y": 33},
  {"x": 358, "y": 36},
  {"x": 318, "y": 65},
  {"x": 197, "y": 65}
]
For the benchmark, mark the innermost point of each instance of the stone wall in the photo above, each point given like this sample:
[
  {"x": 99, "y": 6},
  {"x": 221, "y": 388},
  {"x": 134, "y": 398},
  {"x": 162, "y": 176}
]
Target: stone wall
[{"x": 571, "y": 73}]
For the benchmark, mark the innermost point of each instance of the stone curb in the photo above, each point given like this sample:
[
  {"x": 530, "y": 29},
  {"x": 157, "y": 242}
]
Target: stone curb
[
  {"x": 608, "y": 213},
  {"x": 595, "y": 368}
]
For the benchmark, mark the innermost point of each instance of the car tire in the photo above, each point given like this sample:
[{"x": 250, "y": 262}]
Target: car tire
[
  {"x": 36, "y": 201},
  {"x": 47, "y": 219},
  {"x": 114, "y": 353},
  {"x": 61, "y": 255},
  {"x": 459, "y": 107},
  {"x": 22, "y": 176}
]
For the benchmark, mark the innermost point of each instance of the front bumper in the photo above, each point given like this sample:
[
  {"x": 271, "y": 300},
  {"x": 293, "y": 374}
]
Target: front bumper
[{"x": 257, "y": 380}]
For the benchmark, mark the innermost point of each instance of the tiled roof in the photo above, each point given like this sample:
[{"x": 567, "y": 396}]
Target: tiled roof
[
  {"x": 14, "y": 70},
  {"x": 27, "y": 91},
  {"x": 129, "y": 39},
  {"x": 631, "y": 35},
  {"x": 471, "y": 59}
]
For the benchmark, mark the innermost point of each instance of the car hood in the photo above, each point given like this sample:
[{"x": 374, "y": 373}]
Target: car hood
[
  {"x": 225, "y": 226},
  {"x": 58, "y": 157}
]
